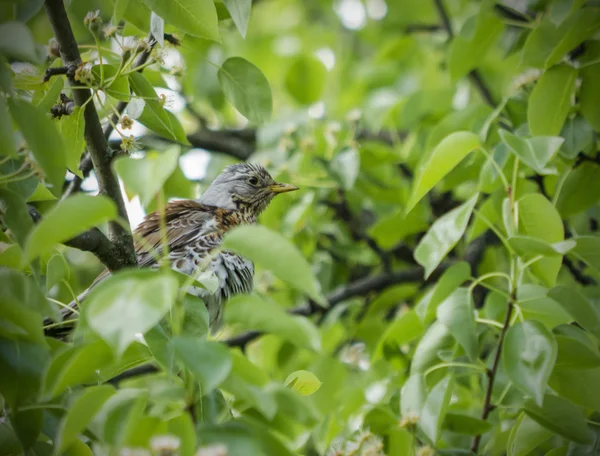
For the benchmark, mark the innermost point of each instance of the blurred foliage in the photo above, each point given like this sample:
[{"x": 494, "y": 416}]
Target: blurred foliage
[{"x": 441, "y": 262}]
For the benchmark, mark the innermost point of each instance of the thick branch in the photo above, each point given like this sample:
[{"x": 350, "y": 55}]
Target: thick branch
[
  {"x": 94, "y": 136},
  {"x": 487, "y": 404}
]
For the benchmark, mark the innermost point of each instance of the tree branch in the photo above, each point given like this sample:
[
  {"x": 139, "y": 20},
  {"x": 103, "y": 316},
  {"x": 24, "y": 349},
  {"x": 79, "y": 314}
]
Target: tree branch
[
  {"x": 487, "y": 404},
  {"x": 94, "y": 136}
]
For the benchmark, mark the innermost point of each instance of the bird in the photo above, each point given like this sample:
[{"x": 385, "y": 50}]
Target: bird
[{"x": 195, "y": 228}]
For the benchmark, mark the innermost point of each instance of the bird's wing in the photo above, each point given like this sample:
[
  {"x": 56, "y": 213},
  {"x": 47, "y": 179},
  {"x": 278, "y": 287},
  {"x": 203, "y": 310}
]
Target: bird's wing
[{"x": 185, "y": 222}]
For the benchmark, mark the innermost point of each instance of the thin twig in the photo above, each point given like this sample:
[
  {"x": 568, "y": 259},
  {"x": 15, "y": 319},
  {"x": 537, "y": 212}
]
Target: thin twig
[{"x": 491, "y": 374}]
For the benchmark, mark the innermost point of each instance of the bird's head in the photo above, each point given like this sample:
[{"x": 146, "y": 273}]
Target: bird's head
[{"x": 244, "y": 186}]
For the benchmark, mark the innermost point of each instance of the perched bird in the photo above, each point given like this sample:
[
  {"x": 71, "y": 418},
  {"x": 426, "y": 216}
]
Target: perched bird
[{"x": 194, "y": 228}]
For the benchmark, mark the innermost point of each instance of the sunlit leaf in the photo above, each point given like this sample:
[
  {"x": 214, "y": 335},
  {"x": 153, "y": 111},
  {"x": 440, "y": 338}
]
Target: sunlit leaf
[
  {"x": 306, "y": 78},
  {"x": 72, "y": 129},
  {"x": 528, "y": 354},
  {"x": 196, "y": 17},
  {"x": 443, "y": 235},
  {"x": 302, "y": 381},
  {"x": 240, "y": 13},
  {"x": 246, "y": 87}
]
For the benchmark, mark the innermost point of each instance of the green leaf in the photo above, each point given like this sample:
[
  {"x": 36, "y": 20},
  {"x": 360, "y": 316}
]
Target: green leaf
[
  {"x": 525, "y": 436},
  {"x": 104, "y": 77},
  {"x": 72, "y": 128},
  {"x": 210, "y": 362},
  {"x": 538, "y": 218},
  {"x": 246, "y": 87},
  {"x": 305, "y": 79},
  {"x": 16, "y": 42},
  {"x": 589, "y": 95},
  {"x": 240, "y": 13},
  {"x": 27, "y": 425},
  {"x": 447, "y": 154},
  {"x": 466, "y": 424},
  {"x": 450, "y": 280},
  {"x": 21, "y": 292},
  {"x": 443, "y": 235},
  {"x": 457, "y": 313},
  {"x": 15, "y": 215},
  {"x": 302, "y": 381},
  {"x": 579, "y": 136},
  {"x": 183, "y": 427},
  {"x": 534, "y": 152},
  {"x": 57, "y": 270},
  {"x": 52, "y": 95},
  {"x": 582, "y": 310},
  {"x": 466, "y": 51},
  {"x": 435, "y": 407},
  {"x": 75, "y": 365},
  {"x": 22, "y": 364},
  {"x": 412, "y": 396},
  {"x": 195, "y": 17},
  {"x": 146, "y": 176},
  {"x": 240, "y": 440},
  {"x": 576, "y": 349},
  {"x": 68, "y": 218},
  {"x": 346, "y": 166},
  {"x": 128, "y": 303},
  {"x": 44, "y": 140},
  {"x": 255, "y": 313},
  {"x": 431, "y": 344},
  {"x": 588, "y": 251},
  {"x": 562, "y": 417},
  {"x": 528, "y": 354},
  {"x": 404, "y": 329},
  {"x": 536, "y": 305},
  {"x": 80, "y": 413},
  {"x": 529, "y": 247},
  {"x": 580, "y": 191},
  {"x": 550, "y": 101},
  {"x": 272, "y": 251},
  {"x": 154, "y": 116},
  {"x": 7, "y": 139},
  {"x": 119, "y": 415},
  {"x": 580, "y": 386},
  {"x": 574, "y": 30}
]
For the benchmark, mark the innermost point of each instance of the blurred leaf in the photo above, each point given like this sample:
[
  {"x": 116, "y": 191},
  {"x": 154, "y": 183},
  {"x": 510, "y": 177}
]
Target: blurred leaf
[
  {"x": 465, "y": 424},
  {"x": 528, "y": 247},
  {"x": 588, "y": 251},
  {"x": 550, "y": 101},
  {"x": 52, "y": 95},
  {"x": 580, "y": 190},
  {"x": 582, "y": 310},
  {"x": 75, "y": 365},
  {"x": 210, "y": 362},
  {"x": 27, "y": 425},
  {"x": 119, "y": 415},
  {"x": 240, "y": 13},
  {"x": 447, "y": 154},
  {"x": 262, "y": 315},
  {"x": 234, "y": 435},
  {"x": 20, "y": 292},
  {"x": 57, "y": 270},
  {"x": 443, "y": 235},
  {"x": 412, "y": 396},
  {"x": 525, "y": 436},
  {"x": 576, "y": 349},
  {"x": 16, "y": 42},
  {"x": 578, "y": 385},
  {"x": 562, "y": 417},
  {"x": 589, "y": 94},
  {"x": 44, "y": 140},
  {"x": 579, "y": 136},
  {"x": 196, "y": 17},
  {"x": 15, "y": 215},
  {"x": 80, "y": 413},
  {"x": 146, "y": 176},
  {"x": 72, "y": 128},
  {"x": 534, "y": 152},
  {"x": 466, "y": 51},
  {"x": 536, "y": 305},
  {"x": 305, "y": 79},
  {"x": 435, "y": 407},
  {"x": 539, "y": 219},
  {"x": 22, "y": 364},
  {"x": 272, "y": 251},
  {"x": 450, "y": 280},
  {"x": 528, "y": 354},
  {"x": 7, "y": 139},
  {"x": 67, "y": 219},
  {"x": 246, "y": 87},
  {"x": 457, "y": 313},
  {"x": 404, "y": 329},
  {"x": 183, "y": 427},
  {"x": 302, "y": 381},
  {"x": 128, "y": 303},
  {"x": 346, "y": 166},
  {"x": 431, "y": 344}
]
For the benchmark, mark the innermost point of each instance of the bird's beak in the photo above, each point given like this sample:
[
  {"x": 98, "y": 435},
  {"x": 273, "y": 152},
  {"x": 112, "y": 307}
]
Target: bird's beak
[{"x": 282, "y": 188}]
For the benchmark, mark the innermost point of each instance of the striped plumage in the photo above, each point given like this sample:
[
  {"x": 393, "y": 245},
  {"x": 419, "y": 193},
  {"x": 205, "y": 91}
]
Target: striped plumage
[{"x": 195, "y": 228}]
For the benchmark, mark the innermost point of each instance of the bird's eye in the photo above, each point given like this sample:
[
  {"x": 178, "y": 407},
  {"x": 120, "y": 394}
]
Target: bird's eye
[{"x": 253, "y": 180}]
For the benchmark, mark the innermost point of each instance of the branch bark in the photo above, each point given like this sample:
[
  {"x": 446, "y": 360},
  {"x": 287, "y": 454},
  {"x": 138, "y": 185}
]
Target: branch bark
[{"x": 94, "y": 136}]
